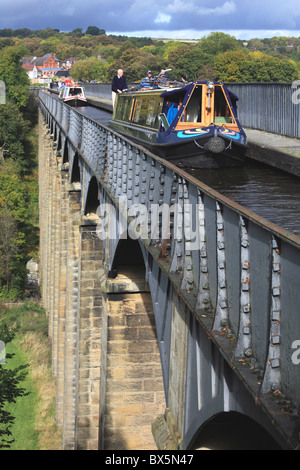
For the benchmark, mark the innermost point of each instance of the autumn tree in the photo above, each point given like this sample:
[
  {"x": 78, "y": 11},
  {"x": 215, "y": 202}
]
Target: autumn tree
[
  {"x": 135, "y": 64},
  {"x": 227, "y": 66},
  {"x": 240, "y": 66}
]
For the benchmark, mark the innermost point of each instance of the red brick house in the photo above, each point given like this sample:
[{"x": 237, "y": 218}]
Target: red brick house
[{"x": 48, "y": 65}]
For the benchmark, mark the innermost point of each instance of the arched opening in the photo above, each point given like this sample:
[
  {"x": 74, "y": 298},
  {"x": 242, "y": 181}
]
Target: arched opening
[
  {"x": 66, "y": 153},
  {"x": 55, "y": 133},
  {"x": 92, "y": 200},
  {"x": 233, "y": 431},
  {"x": 75, "y": 178},
  {"x": 128, "y": 257},
  {"x": 59, "y": 142}
]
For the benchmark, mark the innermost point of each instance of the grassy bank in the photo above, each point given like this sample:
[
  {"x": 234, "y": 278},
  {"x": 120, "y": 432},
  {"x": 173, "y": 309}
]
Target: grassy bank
[{"x": 34, "y": 427}]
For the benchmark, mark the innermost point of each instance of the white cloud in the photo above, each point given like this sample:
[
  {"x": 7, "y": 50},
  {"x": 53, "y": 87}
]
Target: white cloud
[
  {"x": 162, "y": 18},
  {"x": 178, "y": 6}
]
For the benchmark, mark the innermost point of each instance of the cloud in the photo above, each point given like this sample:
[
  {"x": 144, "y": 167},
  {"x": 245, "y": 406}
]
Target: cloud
[
  {"x": 162, "y": 18},
  {"x": 178, "y": 6},
  {"x": 193, "y": 16}
]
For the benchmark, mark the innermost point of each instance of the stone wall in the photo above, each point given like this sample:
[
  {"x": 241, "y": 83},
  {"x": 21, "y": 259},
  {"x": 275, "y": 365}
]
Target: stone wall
[{"x": 105, "y": 354}]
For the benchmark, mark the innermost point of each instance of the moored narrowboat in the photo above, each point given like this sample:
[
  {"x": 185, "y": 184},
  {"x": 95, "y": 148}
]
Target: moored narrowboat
[
  {"x": 73, "y": 95},
  {"x": 193, "y": 125}
]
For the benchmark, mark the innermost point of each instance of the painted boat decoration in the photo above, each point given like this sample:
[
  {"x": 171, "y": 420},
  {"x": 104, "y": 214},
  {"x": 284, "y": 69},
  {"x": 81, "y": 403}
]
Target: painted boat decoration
[
  {"x": 73, "y": 95},
  {"x": 193, "y": 125}
]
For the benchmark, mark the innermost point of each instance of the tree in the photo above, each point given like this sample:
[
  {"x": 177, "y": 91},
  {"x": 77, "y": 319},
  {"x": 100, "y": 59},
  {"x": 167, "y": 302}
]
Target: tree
[
  {"x": 77, "y": 32},
  {"x": 10, "y": 390},
  {"x": 228, "y": 66},
  {"x": 88, "y": 69},
  {"x": 13, "y": 75},
  {"x": 13, "y": 135},
  {"x": 191, "y": 62},
  {"x": 218, "y": 43},
  {"x": 239, "y": 66},
  {"x": 94, "y": 31},
  {"x": 8, "y": 247},
  {"x": 14, "y": 230},
  {"x": 259, "y": 67},
  {"x": 135, "y": 64}
]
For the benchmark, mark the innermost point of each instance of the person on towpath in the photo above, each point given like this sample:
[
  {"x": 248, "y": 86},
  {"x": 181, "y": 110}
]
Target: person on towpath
[{"x": 118, "y": 84}]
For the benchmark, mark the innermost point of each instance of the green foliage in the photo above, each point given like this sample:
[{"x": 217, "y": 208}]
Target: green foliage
[
  {"x": 190, "y": 62},
  {"x": 13, "y": 75},
  {"x": 10, "y": 389},
  {"x": 227, "y": 66},
  {"x": 94, "y": 31},
  {"x": 13, "y": 134},
  {"x": 199, "y": 60},
  {"x": 218, "y": 43},
  {"x": 18, "y": 202},
  {"x": 135, "y": 63},
  {"x": 13, "y": 231},
  {"x": 89, "y": 69},
  {"x": 240, "y": 66}
]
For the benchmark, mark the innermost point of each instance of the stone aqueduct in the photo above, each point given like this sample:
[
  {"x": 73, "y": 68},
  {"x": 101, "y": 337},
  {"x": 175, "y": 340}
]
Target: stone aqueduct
[{"x": 141, "y": 361}]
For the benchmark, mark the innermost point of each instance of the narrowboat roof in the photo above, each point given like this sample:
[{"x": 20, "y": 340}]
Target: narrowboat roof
[{"x": 183, "y": 90}]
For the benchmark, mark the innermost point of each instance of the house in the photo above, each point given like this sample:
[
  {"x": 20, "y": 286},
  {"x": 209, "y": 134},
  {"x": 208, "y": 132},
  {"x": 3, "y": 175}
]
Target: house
[
  {"x": 32, "y": 71},
  {"x": 44, "y": 67},
  {"x": 67, "y": 64}
]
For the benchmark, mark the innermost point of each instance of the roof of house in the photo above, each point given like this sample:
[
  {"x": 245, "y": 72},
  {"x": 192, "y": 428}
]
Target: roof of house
[
  {"x": 39, "y": 61},
  {"x": 29, "y": 67}
]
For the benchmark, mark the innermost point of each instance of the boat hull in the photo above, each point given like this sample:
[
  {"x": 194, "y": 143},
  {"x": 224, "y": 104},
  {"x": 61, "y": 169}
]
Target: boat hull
[
  {"x": 194, "y": 152},
  {"x": 75, "y": 102}
]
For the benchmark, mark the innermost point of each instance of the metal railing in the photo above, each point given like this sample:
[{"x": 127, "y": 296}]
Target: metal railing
[{"x": 271, "y": 107}]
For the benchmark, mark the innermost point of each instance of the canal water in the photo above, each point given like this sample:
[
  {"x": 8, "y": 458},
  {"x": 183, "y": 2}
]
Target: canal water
[{"x": 270, "y": 193}]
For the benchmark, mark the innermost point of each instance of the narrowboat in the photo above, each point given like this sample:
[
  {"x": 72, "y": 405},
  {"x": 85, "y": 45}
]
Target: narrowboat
[
  {"x": 73, "y": 95},
  {"x": 192, "y": 125}
]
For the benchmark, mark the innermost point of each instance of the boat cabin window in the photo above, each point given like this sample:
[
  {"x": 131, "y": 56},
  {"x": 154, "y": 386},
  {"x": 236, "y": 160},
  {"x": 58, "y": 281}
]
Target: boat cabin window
[
  {"x": 222, "y": 113},
  {"x": 123, "y": 110},
  {"x": 194, "y": 108},
  {"x": 75, "y": 91},
  {"x": 146, "y": 112}
]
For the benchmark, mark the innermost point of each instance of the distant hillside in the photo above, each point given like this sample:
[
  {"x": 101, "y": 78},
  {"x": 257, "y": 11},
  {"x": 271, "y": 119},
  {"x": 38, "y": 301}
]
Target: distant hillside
[{"x": 196, "y": 59}]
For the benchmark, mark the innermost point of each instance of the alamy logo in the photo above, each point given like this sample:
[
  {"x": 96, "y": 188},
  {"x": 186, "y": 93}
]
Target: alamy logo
[
  {"x": 2, "y": 352},
  {"x": 296, "y": 354},
  {"x": 296, "y": 93},
  {"x": 2, "y": 93},
  {"x": 159, "y": 221}
]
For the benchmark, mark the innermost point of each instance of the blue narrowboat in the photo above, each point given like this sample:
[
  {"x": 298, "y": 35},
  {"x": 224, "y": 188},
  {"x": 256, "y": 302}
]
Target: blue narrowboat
[{"x": 193, "y": 125}]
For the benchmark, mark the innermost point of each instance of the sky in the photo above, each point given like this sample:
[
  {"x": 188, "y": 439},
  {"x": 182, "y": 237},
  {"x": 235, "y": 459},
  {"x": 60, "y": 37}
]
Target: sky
[{"x": 176, "y": 19}]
